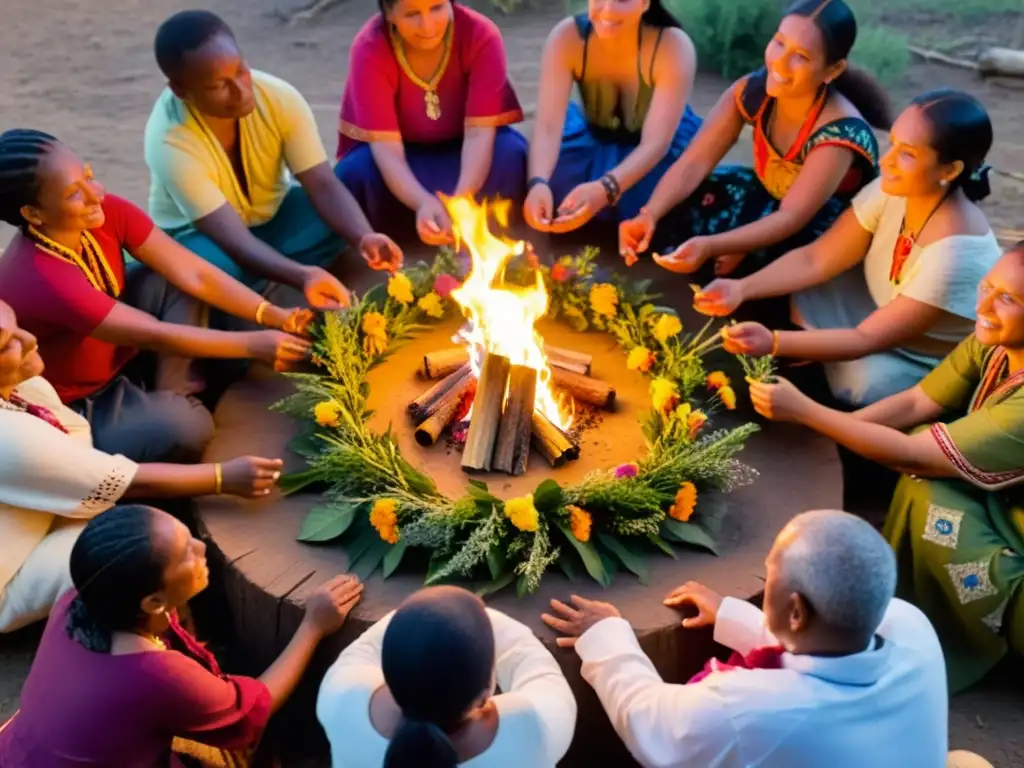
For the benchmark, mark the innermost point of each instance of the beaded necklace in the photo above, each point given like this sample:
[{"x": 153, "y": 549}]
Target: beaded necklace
[{"x": 91, "y": 261}]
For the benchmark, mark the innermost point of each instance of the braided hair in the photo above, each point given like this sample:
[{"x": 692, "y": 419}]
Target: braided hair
[
  {"x": 21, "y": 152},
  {"x": 113, "y": 566}
]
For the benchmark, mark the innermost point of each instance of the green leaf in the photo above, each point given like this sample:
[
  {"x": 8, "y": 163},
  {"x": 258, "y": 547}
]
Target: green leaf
[
  {"x": 548, "y": 496},
  {"x": 370, "y": 559},
  {"x": 497, "y": 585},
  {"x": 418, "y": 482},
  {"x": 568, "y": 567},
  {"x": 478, "y": 491},
  {"x": 435, "y": 566},
  {"x": 663, "y": 546},
  {"x": 377, "y": 295},
  {"x": 362, "y": 543},
  {"x": 591, "y": 558},
  {"x": 521, "y": 588},
  {"x": 307, "y": 445},
  {"x": 631, "y": 560},
  {"x": 296, "y": 481},
  {"x": 394, "y": 557},
  {"x": 327, "y": 521},
  {"x": 689, "y": 533},
  {"x": 496, "y": 561}
]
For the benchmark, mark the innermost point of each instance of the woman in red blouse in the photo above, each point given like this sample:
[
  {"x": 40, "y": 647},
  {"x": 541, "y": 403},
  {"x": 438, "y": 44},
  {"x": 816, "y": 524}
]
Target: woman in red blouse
[
  {"x": 117, "y": 681},
  {"x": 65, "y": 275},
  {"x": 427, "y": 109}
]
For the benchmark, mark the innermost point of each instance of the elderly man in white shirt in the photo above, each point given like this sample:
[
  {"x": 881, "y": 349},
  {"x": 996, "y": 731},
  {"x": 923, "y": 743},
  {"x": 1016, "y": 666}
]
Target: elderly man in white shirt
[{"x": 834, "y": 673}]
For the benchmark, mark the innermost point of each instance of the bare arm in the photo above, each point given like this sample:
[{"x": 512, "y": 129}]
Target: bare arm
[
  {"x": 720, "y": 131},
  {"x": 903, "y": 410},
  {"x": 817, "y": 181},
  {"x": 168, "y": 481},
  {"x": 335, "y": 203},
  {"x": 477, "y": 156},
  {"x": 398, "y": 176},
  {"x": 200, "y": 279},
  {"x": 553, "y": 98}
]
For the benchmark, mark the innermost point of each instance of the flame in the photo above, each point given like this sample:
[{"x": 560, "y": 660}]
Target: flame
[{"x": 501, "y": 317}]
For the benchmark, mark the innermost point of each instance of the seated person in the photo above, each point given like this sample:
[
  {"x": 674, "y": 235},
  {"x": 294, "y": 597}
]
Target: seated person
[
  {"x": 634, "y": 67},
  {"x": 418, "y": 689},
  {"x": 890, "y": 288},
  {"x": 223, "y": 144},
  {"x": 52, "y": 480},
  {"x": 834, "y": 672},
  {"x": 957, "y": 518},
  {"x": 65, "y": 275},
  {"x": 427, "y": 109},
  {"x": 807, "y": 101},
  {"x": 116, "y": 680}
]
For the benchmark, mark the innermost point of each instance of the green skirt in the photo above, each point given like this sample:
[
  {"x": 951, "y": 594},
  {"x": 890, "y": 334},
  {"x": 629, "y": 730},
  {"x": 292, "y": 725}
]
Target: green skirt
[{"x": 961, "y": 555}]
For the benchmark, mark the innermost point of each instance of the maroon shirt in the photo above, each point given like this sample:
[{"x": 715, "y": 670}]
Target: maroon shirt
[
  {"x": 80, "y": 708},
  {"x": 55, "y": 302}
]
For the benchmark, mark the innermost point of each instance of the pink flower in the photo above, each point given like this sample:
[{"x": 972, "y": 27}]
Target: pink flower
[
  {"x": 444, "y": 285},
  {"x": 560, "y": 273},
  {"x": 626, "y": 470}
]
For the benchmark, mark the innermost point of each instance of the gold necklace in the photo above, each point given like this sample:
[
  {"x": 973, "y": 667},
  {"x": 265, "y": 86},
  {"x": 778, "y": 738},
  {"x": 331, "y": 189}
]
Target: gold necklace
[
  {"x": 94, "y": 264},
  {"x": 430, "y": 97}
]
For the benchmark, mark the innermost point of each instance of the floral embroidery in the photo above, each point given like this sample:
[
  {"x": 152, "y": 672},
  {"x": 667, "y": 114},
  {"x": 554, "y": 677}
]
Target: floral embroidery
[
  {"x": 942, "y": 526},
  {"x": 994, "y": 620},
  {"x": 971, "y": 580},
  {"x": 110, "y": 489}
]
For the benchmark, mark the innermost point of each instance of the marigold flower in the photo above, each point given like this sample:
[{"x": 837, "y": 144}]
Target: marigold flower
[
  {"x": 667, "y": 327},
  {"x": 604, "y": 299},
  {"x": 664, "y": 396},
  {"x": 384, "y": 518},
  {"x": 431, "y": 305},
  {"x": 522, "y": 513},
  {"x": 327, "y": 413},
  {"x": 562, "y": 273},
  {"x": 375, "y": 334},
  {"x": 400, "y": 288},
  {"x": 727, "y": 396},
  {"x": 445, "y": 284},
  {"x": 717, "y": 380},
  {"x": 640, "y": 359},
  {"x": 685, "y": 503},
  {"x": 696, "y": 421},
  {"x": 630, "y": 469},
  {"x": 579, "y": 523}
]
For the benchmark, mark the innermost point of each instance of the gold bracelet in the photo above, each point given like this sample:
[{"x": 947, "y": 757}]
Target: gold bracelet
[
  {"x": 775, "y": 343},
  {"x": 219, "y": 475},
  {"x": 260, "y": 310}
]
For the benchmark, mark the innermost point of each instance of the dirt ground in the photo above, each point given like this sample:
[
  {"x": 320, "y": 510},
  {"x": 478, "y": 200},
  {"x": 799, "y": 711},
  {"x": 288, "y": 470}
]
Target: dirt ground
[{"x": 84, "y": 70}]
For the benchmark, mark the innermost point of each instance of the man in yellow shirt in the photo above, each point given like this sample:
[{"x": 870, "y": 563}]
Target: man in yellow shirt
[{"x": 225, "y": 146}]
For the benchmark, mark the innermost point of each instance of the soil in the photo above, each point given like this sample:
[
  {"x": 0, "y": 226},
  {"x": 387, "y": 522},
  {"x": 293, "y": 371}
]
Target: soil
[{"x": 84, "y": 71}]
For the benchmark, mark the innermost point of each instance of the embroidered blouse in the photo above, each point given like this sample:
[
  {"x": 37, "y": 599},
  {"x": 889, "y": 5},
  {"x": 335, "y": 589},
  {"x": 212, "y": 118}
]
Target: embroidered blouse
[
  {"x": 383, "y": 102},
  {"x": 45, "y": 473},
  {"x": 777, "y": 169}
]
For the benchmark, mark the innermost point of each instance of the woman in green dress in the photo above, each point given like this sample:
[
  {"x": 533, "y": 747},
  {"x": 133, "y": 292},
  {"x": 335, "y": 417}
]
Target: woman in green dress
[{"x": 957, "y": 517}]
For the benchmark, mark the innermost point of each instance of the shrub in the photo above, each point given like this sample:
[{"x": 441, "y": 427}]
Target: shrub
[{"x": 730, "y": 35}]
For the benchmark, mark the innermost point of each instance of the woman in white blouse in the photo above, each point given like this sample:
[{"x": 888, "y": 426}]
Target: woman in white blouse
[
  {"x": 890, "y": 289},
  {"x": 417, "y": 690},
  {"x": 52, "y": 481}
]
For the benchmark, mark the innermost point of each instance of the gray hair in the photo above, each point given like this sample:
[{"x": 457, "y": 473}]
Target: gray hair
[{"x": 842, "y": 566}]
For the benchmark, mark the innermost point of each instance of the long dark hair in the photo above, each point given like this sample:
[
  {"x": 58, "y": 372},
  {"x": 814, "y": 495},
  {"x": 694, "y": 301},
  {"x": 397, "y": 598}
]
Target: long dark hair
[
  {"x": 113, "y": 566},
  {"x": 657, "y": 15},
  {"x": 438, "y": 657},
  {"x": 838, "y": 27},
  {"x": 21, "y": 152},
  {"x": 961, "y": 130},
  {"x": 386, "y": 5}
]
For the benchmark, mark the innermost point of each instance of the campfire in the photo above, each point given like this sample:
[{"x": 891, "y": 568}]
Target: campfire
[{"x": 501, "y": 378}]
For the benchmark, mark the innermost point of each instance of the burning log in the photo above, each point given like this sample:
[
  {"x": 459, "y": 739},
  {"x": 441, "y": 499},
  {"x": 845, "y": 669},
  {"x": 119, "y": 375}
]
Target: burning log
[
  {"x": 424, "y": 406},
  {"x": 584, "y": 388},
  {"x": 512, "y": 451},
  {"x": 552, "y": 442},
  {"x": 437, "y": 365},
  {"x": 483, "y": 427},
  {"x": 568, "y": 360},
  {"x": 446, "y": 409}
]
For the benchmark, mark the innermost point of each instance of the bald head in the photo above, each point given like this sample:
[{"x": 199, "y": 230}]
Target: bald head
[{"x": 840, "y": 565}]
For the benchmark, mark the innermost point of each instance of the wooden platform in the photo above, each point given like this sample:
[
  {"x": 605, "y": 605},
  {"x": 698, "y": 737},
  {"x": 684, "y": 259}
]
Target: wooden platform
[{"x": 266, "y": 574}]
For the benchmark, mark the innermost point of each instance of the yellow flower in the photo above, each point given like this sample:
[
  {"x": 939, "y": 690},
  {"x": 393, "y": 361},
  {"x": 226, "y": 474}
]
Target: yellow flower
[
  {"x": 400, "y": 289},
  {"x": 717, "y": 380},
  {"x": 667, "y": 327},
  {"x": 431, "y": 305},
  {"x": 683, "y": 411},
  {"x": 604, "y": 299},
  {"x": 579, "y": 523},
  {"x": 375, "y": 334},
  {"x": 696, "y": 421},
  {"x": 685, "y": 503},
  {"x": 327, "y": 413},
  {"x": 664, "y": 396},
  {"x": 384, "y": 517},
  {"x": 640, "y": 359},
  {"x": 728, "y": 398},
  {"x": 522, "y": 513}
]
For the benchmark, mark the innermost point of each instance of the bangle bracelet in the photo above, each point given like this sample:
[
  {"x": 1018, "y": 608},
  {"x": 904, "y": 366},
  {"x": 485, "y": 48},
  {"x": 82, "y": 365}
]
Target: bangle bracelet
[
  {"x": 219, "y": 477},
  {"x": 260, "y": 310},
  {"x": 775, "y": 343},
  {"x": 536, "y": 181}
]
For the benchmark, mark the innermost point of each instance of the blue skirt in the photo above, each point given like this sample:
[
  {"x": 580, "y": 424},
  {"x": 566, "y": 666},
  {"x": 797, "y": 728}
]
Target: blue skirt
[
  {"x": 436, "y": 167},
  {"x": 587, "y": 154}
]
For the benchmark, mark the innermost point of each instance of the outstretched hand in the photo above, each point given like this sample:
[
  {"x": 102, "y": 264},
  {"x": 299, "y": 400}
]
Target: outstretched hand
[
  {"x": 573, "y": 620},
  {"x": 706, "y": 601}
]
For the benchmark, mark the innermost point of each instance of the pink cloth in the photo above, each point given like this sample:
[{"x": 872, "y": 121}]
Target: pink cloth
[
  {"x": 382, "y": 103},
  {"x": 39, "y": 411},
  {"x": 767, "y": 657}
]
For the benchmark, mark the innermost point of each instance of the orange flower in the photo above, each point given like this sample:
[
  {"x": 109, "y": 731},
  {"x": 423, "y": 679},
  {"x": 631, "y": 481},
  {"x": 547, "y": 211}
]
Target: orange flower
[
  {"x": 640, "y": 359},
  {"x": 384, "y": 518},
  {"x": 717, "y": 380},
  {"x": 685, "y": 503},
  {"x": 696, "y": 421},
  {"x": 579, "y": 522},
  {"x": 728, "y": 398}
]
